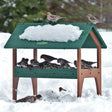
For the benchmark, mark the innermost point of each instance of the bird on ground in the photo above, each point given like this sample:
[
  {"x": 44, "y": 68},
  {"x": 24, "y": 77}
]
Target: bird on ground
[
  {"x": 85, "y": 64},
  {"x": 61, "y": 89},
  {"x": 34, "y": 63},
  {"x": 47, "y": 58},
  {"x": 53, "y": 18},
  {"x": 63, "y": 62},
  {"x": 30, "y": 99},
  {"x": 23, "y": 63},
  {"x": 93, "y": 19}
]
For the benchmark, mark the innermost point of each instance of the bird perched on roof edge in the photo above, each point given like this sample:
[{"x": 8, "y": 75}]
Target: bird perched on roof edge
[
  {"x": 53, "y": 18},
  {"x": 93, "y": 19}
]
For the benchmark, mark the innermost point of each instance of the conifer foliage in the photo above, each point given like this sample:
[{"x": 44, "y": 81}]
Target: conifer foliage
[{"x": 13, "y": 12}]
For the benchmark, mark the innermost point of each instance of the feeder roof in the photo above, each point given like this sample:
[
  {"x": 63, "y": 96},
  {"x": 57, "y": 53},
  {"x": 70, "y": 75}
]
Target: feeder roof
[{"x": 85, "y": 40}]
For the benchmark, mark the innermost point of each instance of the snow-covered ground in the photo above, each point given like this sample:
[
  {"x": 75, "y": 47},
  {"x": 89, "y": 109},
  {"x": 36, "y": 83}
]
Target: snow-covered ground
[{"x": 53, "y": 101}]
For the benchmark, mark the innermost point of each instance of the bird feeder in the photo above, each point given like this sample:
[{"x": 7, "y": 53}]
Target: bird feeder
[{"x": 90, "y": 38}]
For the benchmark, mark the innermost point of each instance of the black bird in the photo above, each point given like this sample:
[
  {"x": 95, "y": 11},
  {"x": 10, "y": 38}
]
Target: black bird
[
  {"x": 23, "y": 63},
  {"x": 48, "y": 58},
  {"x": 63, "y": 62},
  {"x": 30, "y": 99},
  {"x": 34, "y": 63},
  {"x": 85, "y": 64}
]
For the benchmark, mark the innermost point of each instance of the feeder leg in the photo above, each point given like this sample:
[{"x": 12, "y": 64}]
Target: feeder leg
[
  {"x": 34, "y": 84},
  {"x": 80, "y": 85},
  {"x": 80, "y": 77},
  {"x": 98, "y": 84},
  {"x": 14, "y": 79},
  {"x": 34, "y": 80},
  {"x": 15, "y": 85}
]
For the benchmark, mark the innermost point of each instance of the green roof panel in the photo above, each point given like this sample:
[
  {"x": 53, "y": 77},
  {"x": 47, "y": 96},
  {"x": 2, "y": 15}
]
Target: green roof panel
[{"x": 84, "y": 41}]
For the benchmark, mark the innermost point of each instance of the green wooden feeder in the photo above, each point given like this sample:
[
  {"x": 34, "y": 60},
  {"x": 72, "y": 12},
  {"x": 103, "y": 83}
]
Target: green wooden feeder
[{"x": 90, "y": 38}]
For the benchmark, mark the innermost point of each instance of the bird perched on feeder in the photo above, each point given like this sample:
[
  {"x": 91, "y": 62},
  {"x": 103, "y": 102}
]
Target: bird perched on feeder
[
  {"x": 47, "y": 58},
  {"x": 54, "y": 65},
  {"x": 88, "y": 62},
  {"x": 61, "y": 89},
  {"x": 30, "y": 99},
  {"x": 43, "y": 64},
  {"x": 53, "y": 18},
  {"x": 23, "y": 63},
  {"x": 34, "y": 63},
  {"x": 85, "y": 64},
  {"x": 93, "y": 19},
  {"x": 63, "y": 62}
]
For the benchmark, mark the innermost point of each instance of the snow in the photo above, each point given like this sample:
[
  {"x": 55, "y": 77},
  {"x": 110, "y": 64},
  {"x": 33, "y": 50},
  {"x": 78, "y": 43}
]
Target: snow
[
  {"x": 59, "y": 33},
  {"x": 53, "y": 100}
]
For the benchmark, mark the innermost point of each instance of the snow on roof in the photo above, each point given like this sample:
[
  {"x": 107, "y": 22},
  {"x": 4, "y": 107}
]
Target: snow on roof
[{"x": 59, "y": 33}]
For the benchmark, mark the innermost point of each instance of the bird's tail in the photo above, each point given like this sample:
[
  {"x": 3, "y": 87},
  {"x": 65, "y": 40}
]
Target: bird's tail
[{"x": 63, "y": 17}]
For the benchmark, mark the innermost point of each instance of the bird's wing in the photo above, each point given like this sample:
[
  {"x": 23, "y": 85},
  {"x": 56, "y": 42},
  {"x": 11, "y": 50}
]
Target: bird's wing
[
  {"x": 66, "y": 61},
  {"x": 88, "y": 62},
  {"x": 52, "y": 16},
  {"x": 93, "y": 18}
]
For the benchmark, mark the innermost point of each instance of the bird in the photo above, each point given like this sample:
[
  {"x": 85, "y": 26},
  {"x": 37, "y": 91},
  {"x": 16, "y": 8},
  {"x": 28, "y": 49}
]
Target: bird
[
  {"x": 23, "y": 63},
  {"x": 54, "y": 65},
  {"x": 44, "y": 64},
  {"x": 29, "y": 66},
  {"x": 34, "y": 63},
  {"x": 93, "y": 19},
  {"x": 63, "y": 62},
  {"x": 30, "y": 99},
  {"x": 88, "y": 62},
  {"x": 85, "y": 64},
  {"x": 61, "y": 89},
  {"x": 53, "y": 18},
  {"x": 47, "y": 58}
]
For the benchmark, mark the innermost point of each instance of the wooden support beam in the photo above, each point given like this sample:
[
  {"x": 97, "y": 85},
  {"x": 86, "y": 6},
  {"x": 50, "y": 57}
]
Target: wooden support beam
[
  {"x": 95, "y": 39},
  {"x": 34, "y": 80},
  {"x": 98, "y": 48},
  {"x": 98, "y": 77},
  {"x": 87, "y": 73},
  {"x": 80, "y": 78},
  {"x": 14, "y": 79},
  {"x": 35, "y": 53}
]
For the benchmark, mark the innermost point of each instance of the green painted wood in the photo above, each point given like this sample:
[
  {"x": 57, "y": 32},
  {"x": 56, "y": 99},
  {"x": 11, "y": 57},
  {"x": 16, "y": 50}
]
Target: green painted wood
[
  {"x": 83, "y": 42},
  {"x": 45, "y": 73}
]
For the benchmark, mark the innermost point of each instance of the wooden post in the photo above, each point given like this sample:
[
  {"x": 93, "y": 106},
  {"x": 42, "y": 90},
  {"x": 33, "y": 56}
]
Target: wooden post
[
  {"x": 80, "y": 78},
  {"x": 34, "y": 80},
  {"x": 98, "y": 77},
  {"x": 14, "y": 79}
]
